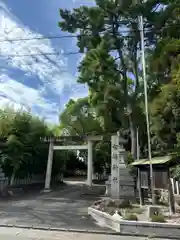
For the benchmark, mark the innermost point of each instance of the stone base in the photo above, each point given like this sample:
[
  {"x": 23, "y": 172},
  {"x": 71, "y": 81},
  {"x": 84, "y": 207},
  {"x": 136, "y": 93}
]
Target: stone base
[
  {"x": 125, "y": 192},
  {"x": 87, "y": 183},
  {"x": 153, "y": 210},
  {"x": 46, "y": 190}
]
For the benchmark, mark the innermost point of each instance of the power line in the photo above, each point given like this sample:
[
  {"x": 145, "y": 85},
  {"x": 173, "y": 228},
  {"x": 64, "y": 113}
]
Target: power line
[
  {"x": 44, "y": 54},
  {"x": 38, "y": 54},
  {"x": 53, "y": 37},
  {"x": 38, "y": 38},
  {"x": 81, "y": 35}
]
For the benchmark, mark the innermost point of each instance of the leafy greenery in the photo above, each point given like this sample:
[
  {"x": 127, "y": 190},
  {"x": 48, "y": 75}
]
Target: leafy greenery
[
  {"x": 130, "y": 217},
  {"x": 109, "y": 36},
  {"x": 158, "y": 218},
  {"x": 108, "y": 61},
  {"x": 79, "y": 118},
  {"x": 22, "y": 152}
]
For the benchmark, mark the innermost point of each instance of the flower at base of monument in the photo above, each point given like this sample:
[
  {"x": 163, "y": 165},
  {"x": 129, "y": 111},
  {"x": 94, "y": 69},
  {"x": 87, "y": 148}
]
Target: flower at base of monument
[{"x": 117, "y": 215}]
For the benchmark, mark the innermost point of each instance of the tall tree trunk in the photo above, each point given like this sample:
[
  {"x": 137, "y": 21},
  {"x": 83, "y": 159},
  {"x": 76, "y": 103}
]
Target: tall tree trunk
[
  {"x": 133, "y": 138},
  {"x": 133, "y": 132}
]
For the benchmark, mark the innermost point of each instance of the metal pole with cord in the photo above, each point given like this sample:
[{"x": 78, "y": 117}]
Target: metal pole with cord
[{"x": 146, "y": 106}]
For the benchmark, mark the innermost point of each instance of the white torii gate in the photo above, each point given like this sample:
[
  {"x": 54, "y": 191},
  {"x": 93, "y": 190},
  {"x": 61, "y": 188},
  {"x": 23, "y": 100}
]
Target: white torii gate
[{"x": 88, "y": 147}]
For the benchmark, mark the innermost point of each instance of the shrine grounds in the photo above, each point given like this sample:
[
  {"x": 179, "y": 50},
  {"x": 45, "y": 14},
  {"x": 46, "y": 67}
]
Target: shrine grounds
[{"x": 66, "y": 208}]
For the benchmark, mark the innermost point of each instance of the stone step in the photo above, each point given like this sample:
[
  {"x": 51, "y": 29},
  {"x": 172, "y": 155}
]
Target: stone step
[{"x": 2, "y": 175}]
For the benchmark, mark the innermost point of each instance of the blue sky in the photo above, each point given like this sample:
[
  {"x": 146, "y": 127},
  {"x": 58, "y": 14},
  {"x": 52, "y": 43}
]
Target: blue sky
[{"x": 42, "y": 84}]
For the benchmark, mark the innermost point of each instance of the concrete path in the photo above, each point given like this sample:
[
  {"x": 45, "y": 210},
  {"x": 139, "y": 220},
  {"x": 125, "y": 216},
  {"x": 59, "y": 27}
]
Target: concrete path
[
  {"x": 63, "y": 209},
  {"x": 24, "y": 234}
]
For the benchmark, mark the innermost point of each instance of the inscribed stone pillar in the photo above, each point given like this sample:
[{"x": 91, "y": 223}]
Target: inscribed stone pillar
[
  {"x": 114, "y": 167},
  {"x": 122, "y": 185},
  {"x": 2, "y": 179}
]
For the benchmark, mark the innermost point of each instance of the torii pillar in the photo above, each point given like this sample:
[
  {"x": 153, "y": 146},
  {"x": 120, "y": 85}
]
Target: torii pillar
[
  {"x": 47, "y": 187},
  {"x": 90, "y": 163},
  {"x": 90, "y": 140}
]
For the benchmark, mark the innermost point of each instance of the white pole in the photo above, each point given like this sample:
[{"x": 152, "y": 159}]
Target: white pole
[
  {"x": 146, "y": 106},
  {"x": 172, "y": 183},
  {"x": 177, "y": 187}
]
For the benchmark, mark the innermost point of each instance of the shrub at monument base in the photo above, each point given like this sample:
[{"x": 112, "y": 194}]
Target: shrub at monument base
[
  {"x": 123, "y": 207},
  {"x": 158, "y": 218},
  {"x": 130, "y": 217}
]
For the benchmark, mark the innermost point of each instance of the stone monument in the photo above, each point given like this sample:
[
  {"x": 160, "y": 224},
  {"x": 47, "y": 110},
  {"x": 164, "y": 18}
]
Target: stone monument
[
  {"x": 122, "y": 185},
  {"x": 2, "y": 179}
]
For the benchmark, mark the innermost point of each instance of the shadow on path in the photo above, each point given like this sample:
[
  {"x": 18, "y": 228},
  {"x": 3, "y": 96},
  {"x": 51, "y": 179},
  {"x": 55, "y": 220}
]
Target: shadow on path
[{"x": 65, "y": 208}]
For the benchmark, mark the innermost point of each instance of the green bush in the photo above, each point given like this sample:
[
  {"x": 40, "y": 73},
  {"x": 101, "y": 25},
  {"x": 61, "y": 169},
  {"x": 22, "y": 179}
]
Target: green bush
[
  {"x": 137, "y": 210},
  {"x": 131, "y": 217},
  {"x": 125, "y": 204},
  {"x": 158, "y": 218}
]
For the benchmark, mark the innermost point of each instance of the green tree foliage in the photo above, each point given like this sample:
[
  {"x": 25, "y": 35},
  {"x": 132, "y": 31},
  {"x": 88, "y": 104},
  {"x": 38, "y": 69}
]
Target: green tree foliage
[
  {"x": 164, "y": 62},
  {"x": 165, "y": 112},
  {"x": 79, "y": 118},
  {"x": 110, "y": 57},
  {"x": 24, "y": 153},
  {"x": 108, "y": 34}
]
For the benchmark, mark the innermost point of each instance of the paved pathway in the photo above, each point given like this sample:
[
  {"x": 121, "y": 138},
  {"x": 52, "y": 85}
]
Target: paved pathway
[
  {"x": 24, "y": 234},
  {"x": 63, "y": 209}
]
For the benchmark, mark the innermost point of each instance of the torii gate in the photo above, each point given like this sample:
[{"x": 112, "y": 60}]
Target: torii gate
[
  {"x": 57, "y": 140},
  {"x": 121, "y": 183}
]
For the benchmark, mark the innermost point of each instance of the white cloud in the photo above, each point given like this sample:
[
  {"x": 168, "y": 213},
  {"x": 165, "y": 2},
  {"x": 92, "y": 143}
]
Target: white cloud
[
  {"x": 82, "y": 2},
  {"x": 81, "y": 93},
  {"x": 20, "y": 96},
  {"x": 80, "y": 59},
  {"x": 51, "y": 70}
]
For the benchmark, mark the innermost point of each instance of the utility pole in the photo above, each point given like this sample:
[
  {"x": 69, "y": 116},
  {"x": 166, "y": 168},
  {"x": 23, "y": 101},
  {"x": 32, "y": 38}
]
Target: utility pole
[{"x": 146, "y": 106}]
